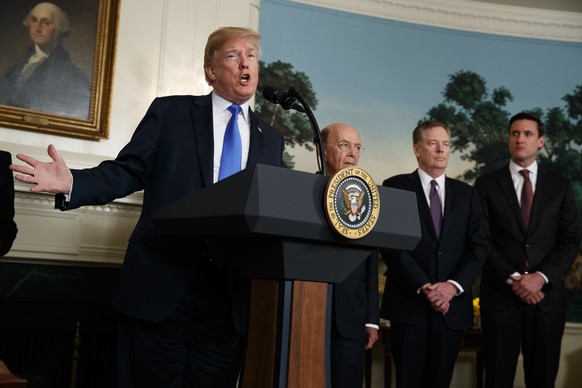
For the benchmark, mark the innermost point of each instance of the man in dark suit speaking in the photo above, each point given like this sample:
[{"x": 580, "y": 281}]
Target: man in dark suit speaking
[
  {"x": 534, "y": 230},
  {"x": 428, "y": 292},
  {"x": 179, "y": 325}
]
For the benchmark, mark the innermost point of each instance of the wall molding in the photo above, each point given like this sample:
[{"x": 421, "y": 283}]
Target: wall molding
[
  {"x": 95, "y": 234},
  {"x": 468, "y": 16}
]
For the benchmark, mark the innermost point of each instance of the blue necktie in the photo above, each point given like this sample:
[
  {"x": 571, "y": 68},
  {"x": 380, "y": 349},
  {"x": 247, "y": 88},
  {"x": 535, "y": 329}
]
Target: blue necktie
[
  {"x": 436, "y": 209},
  {"x": 231, "y": 147}
]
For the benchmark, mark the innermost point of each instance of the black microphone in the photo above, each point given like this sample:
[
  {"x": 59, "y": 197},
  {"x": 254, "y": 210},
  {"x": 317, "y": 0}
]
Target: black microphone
[
  {"x": 293, "y": 100},
  {"x": 286, "y": 100}
]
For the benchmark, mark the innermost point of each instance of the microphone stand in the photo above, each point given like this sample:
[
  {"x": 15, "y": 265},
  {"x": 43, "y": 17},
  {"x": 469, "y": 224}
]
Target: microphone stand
[{"x": 317, "y": 134}]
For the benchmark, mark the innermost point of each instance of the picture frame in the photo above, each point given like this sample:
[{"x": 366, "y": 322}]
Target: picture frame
[{"x": 76, "y": 102}]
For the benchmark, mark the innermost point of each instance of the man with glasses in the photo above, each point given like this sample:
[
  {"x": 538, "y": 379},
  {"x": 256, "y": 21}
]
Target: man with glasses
[{"x": 355, "y": 308}]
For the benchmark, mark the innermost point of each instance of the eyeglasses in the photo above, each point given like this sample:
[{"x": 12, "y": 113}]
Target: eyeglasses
[{"x": 345, "y": 146}]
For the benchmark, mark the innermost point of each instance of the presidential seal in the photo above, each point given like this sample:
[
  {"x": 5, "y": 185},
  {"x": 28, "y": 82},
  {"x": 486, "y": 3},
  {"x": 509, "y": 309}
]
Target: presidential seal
[{"x": 352, "y": 202}]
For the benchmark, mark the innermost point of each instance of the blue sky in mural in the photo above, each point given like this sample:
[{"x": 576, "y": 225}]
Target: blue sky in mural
[{"x": 382, "y": 76}]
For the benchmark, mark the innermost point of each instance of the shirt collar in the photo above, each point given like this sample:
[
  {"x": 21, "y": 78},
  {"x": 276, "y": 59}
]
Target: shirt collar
[
  {"x": 425, "y": 178},
  {"x": 515, "y": 168},
  {"x": 220, "y": 104}
]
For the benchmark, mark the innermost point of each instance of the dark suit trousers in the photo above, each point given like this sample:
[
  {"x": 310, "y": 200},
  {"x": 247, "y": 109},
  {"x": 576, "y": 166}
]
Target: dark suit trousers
[
  {"x": 197, "y": 347},
  {"x": 347, "y": 361},
  {"x": 425, "y": 354},
  {"x": 536, "y": 334}
]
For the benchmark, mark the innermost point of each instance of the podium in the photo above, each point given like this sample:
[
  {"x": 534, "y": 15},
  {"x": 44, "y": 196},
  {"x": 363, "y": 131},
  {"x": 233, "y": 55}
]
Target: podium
[{"x": 292, "y": 256}]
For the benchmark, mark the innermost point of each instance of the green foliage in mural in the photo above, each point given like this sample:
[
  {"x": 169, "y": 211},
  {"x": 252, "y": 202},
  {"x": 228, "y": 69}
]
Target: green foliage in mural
[{"x": 292, "y": 125}]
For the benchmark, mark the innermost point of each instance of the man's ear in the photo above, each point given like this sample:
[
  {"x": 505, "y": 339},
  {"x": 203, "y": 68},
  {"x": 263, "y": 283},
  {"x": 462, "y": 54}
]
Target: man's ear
[
  {"x": 415, "y": 150},
  {"x": 209, "y": 70}
]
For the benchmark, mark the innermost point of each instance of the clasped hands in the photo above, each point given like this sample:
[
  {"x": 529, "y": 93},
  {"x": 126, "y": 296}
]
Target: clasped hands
[
  {"x": 439, "y": 295},
  {"x": 528, "y": 287}
]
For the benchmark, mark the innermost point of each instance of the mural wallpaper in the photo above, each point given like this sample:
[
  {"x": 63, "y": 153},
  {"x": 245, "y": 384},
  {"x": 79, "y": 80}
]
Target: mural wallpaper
[{"x": 383, "y": 76}]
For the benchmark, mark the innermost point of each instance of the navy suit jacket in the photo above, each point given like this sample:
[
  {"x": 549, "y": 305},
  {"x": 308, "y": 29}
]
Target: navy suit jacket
[
  {"x": 169, "y": 156},
  {"x": 550, "y": 243},
  {"x": 458, "y": 255},
  {"x": 356, "y": 302}
]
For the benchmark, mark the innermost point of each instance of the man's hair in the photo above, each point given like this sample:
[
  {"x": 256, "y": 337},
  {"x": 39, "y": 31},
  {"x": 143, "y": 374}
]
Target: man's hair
[
  {"x": 61, "y": 18},
  {"x": 218, "y": 38},
  {"x": 418, "y": 132},
  {"x": 527, "y": 116}
]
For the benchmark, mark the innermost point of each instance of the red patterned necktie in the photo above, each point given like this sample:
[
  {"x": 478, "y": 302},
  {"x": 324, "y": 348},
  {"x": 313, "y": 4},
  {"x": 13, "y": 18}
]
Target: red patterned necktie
[{"x": 526, "y": 197}]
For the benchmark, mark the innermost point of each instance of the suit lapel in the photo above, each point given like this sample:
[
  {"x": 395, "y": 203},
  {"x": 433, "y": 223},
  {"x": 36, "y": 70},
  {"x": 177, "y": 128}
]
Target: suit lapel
[
  {"x": 204, "y": 134},
  {"x": 450, "y": 199},
  {"x": 542, "y": 191},
  {"x": 508, "y": 190},
  {"x": 257, "y": 141}
]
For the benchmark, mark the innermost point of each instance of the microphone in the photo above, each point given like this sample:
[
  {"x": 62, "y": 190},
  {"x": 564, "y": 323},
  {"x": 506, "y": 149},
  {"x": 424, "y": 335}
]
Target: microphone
[
  {"x": 286, "y": 100},
  {"x": 293, "y": 100}
]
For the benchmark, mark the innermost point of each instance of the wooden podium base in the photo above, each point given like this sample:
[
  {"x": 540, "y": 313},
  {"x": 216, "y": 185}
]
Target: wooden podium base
[{"x": 287, "y": 335}]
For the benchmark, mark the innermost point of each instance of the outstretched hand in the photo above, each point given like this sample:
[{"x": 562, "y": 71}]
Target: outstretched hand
[{"x": 49, "y": 177}]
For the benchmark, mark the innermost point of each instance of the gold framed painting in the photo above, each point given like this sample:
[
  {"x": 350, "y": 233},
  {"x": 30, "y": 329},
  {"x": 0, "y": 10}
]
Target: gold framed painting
[{"x": 56, "y": 72}]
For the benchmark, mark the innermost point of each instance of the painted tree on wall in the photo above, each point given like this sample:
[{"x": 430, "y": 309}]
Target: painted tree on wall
[{"x": 292, "y": 125}]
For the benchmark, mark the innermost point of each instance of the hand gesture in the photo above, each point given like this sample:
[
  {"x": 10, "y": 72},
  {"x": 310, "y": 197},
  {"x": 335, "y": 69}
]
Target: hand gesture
[{"x": 49, "y": 177}]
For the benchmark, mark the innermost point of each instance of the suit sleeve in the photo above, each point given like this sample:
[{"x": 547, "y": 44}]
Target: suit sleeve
[{"x": 8, "y": 227}]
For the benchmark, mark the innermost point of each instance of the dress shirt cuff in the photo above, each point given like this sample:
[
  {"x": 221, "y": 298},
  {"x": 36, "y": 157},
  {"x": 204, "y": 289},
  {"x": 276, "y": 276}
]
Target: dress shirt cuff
[
  {"x": 509, "y": 280},
  {"x": 377, "y": 327},
  {"x": 544, "y": 276},
  {"x": 68, "y": 195},
  {"x": 459, "y": 288}
]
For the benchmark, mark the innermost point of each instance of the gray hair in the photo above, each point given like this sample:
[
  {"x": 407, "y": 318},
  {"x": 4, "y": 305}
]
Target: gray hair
[{"x": 61, "y": 18}]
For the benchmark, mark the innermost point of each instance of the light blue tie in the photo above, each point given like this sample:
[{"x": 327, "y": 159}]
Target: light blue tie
[{"x": 232, "y": 147}]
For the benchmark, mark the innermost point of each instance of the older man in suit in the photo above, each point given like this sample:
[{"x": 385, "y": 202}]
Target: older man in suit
[
  {"x": 534, "y": 230},
  {"x": 182, "y": 308},
  {"x": 428, "y": 292},
  {"x": 355, "y": 309}
]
